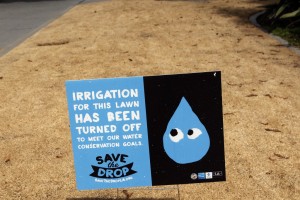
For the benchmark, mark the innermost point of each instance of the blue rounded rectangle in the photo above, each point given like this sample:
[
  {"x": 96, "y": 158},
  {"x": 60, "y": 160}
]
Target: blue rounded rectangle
[{"x": 109, "y": 133}]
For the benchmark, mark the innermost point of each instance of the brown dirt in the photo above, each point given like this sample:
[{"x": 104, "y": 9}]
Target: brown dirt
[{"x": 261, "y": 90}]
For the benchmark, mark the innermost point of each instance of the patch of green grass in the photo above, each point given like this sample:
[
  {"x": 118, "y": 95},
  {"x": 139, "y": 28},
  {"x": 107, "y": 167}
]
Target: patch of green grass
[{"x": 292, "y": 35}]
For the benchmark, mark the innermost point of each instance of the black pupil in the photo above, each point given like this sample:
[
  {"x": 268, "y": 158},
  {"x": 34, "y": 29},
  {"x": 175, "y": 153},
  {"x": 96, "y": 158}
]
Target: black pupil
[
  {"x": 173, "y": 132},
  {"x": 190, "y": 132}
]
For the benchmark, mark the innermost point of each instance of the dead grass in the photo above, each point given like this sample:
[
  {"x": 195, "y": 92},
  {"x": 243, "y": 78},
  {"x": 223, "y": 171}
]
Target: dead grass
[
  {"x": 54, "y": 43},
  {"x": 147, "y": 37}
]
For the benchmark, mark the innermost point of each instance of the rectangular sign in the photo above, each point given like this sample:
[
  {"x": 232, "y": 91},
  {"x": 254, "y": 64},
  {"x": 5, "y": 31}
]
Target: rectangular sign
[{"x": 146, "y": 131}]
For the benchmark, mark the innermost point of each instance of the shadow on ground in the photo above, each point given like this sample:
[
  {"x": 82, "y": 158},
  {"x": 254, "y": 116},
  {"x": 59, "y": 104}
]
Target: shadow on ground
[
  {"x": 90, "y": 198},
  {"x": 202, "y": 1},
  {"x": 242, "y": 14}
]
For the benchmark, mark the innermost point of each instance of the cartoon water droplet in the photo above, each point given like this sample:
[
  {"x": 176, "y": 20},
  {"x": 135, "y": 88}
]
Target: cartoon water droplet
[{"x": 186, "y": 139}]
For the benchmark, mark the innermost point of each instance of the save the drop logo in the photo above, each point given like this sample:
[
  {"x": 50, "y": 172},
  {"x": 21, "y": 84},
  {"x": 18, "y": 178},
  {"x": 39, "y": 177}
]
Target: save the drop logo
[
  {"x": 114, "y": 166},
  {"x": 186, "y": 139}
]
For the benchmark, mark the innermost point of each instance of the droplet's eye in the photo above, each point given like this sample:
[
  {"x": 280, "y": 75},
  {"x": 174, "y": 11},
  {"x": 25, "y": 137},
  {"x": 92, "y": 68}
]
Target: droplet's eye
[
  {"x": 176, "y": 135},
  {"x": 173, "y": 132},
  {"x": 194, "y": 133}
]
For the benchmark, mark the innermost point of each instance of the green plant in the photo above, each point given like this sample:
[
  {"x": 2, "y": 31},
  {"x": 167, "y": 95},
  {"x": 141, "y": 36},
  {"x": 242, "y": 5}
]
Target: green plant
[
  {"x": 283, "y": 19},
  {"x": 286, "y": 13}
]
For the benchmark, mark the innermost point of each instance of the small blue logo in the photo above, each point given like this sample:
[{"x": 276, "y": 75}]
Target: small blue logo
[{"x": 201, "y": 175}]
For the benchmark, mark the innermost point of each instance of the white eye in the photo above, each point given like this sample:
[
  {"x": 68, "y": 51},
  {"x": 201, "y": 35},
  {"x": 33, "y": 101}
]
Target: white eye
[
  {"x": 176, "y": 135},
  {"x": 194, "y": 133}
]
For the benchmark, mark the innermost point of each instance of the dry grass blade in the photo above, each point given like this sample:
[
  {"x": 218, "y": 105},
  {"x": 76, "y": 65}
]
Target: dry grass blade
[{"x": 54, "y": 43}]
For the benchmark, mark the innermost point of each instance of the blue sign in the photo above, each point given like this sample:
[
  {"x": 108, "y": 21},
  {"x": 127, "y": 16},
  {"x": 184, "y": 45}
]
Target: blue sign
[
  {"x": 201, "y": 175},
  {"x": 145, "y": 131}
]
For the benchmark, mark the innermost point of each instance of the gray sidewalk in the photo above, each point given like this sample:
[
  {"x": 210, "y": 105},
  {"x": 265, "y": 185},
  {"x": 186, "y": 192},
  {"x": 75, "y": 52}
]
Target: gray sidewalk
[{"x": 19, "y": 19}]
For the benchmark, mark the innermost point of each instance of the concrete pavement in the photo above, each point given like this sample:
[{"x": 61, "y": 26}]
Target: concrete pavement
[{"x": 19, "y": 19}]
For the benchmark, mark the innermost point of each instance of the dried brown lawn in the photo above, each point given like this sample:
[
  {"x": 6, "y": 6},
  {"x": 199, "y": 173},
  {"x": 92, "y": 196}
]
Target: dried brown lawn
[{"x": 261, "y": 90}]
